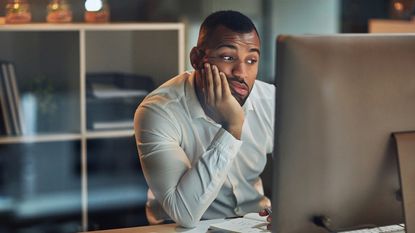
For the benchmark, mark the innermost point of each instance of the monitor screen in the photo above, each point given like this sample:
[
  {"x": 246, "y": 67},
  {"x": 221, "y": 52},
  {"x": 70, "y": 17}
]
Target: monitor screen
[{"x": 339, "y": 98}]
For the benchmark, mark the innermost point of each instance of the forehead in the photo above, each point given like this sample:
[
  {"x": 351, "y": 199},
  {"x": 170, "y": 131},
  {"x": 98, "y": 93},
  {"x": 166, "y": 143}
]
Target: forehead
[{"x": 224, "y": 36}]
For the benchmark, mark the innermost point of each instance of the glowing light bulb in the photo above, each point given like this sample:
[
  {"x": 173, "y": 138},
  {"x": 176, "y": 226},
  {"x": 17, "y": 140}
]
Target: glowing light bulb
[
  {"x": 93, "y": 5},
  {"x": 55, "y": 6},
  {"x": 398, "y": 6},
  {"x": 96, "y": 11}
]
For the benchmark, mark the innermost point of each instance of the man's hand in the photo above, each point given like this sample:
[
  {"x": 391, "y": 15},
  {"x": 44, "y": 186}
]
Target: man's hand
[
  {"x": 219, "y": 104},
  {"x": 267, "y": 212}
]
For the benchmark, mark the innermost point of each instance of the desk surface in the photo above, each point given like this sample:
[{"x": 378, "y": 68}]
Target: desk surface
[{"x": 202, "y": 226}]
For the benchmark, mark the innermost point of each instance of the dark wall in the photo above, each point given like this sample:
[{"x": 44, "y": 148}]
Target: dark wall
[{"x": 355, "y": 14}]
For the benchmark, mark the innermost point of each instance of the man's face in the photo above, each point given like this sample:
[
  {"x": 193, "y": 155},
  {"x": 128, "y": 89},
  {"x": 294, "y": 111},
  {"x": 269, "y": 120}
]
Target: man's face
[{"x": 236, "y": 55}]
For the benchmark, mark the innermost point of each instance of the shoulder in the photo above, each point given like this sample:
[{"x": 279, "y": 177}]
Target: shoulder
[
  {"x": 168, "y": 94},
  {"x": 157, "y": 113},
  {"x": 163, "y": 102},
  {"x": 263, "y": 93},
  {"x": 172, "y": 88}
]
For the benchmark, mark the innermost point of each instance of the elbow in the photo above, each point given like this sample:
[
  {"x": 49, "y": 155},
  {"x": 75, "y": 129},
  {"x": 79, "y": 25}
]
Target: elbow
[
  {"x": 187, "y": 222},
  {"x": 185, "y": 217},
  {"x": 183, "y": 213}
]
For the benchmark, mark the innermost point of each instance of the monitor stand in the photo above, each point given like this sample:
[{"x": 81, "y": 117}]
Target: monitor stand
[{"x": 405, "y": 143}]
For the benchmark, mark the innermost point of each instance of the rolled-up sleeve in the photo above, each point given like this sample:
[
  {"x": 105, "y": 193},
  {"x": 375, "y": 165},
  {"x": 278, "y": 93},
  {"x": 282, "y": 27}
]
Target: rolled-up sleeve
[{"x": 184, "y": 189}]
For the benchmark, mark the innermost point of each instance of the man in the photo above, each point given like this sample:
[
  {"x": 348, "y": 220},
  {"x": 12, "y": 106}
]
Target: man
[{"x": 203, "y": 136}]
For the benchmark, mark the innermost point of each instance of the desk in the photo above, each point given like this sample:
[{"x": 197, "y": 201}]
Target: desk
[
  {"x": 391, "y": 26},
  {"x": 201, "y": 227}
]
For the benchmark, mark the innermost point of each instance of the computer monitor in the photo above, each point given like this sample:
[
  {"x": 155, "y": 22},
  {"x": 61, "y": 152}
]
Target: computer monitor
[{"x": 339, "y": 98}]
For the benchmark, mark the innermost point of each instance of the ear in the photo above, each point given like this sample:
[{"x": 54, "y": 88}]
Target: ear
[{"x": 196, "y": 58}]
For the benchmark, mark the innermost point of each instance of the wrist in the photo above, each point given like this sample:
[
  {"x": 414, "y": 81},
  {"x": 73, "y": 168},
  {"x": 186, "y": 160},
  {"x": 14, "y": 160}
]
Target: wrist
[{"x": 234, "y": 129}]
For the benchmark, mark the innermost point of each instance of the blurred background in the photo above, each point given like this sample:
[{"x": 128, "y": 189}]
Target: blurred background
[
  {"x": 41, "y": 183},
  {"x": 272, "y": 17}
]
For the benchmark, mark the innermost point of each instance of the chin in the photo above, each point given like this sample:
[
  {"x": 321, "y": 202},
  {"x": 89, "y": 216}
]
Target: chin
[{"x": 240, "y": 100}]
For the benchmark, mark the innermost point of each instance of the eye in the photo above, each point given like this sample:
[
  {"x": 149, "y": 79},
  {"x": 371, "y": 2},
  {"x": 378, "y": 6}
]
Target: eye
[
  {"x": 252, "y": 61},
  {"x": 228, "y": 58}
]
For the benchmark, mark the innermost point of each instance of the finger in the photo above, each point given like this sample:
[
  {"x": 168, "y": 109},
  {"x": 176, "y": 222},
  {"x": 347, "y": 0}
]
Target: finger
[
  {"x": 199, "y": 78},
  {"x": 226, "y": 91},
  {"x": 210, "y": 85},
  {"x": 269, "y": 218},
  {"x": 204, "y": 78},
  {"x": 269, "y": 227},
  {"x": 201, "y": 82},
  {"x": 217, "y": 83},
  {"x": 205, "y": 86},
  {"x": 263, "y": 213}
]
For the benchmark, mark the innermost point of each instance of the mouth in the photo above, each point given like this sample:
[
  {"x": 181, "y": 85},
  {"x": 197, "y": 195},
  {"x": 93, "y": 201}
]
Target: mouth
[{"x": 238, "y": 88}]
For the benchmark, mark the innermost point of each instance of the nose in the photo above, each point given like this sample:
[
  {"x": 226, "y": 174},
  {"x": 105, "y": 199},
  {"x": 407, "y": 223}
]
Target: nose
[{"x": 239, "y": 70}]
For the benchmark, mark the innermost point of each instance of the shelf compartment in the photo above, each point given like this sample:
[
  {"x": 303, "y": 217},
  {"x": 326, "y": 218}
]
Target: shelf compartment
[
  {"x": 38, "y": 192},
  {"x": 116, "y": 186},
  {"x": 142, "y": 52},
  {"x": 47, "y": 71}
]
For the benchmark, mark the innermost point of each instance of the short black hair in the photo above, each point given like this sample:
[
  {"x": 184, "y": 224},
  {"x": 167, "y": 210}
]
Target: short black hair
[{"x": 233, "y": 20}]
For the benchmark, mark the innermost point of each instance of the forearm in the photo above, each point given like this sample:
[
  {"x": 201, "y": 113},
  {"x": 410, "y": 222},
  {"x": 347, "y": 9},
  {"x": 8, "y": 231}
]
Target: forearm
[
  {"x": 186, "y": 191},
  {"x": 197, "y": 189}
]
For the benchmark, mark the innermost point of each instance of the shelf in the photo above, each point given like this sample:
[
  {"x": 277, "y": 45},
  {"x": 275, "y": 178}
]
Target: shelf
[
  {"x": 93, "y": 27},
  {"x": 67, "y": 203},
  {"x": 39, "y": 138},
  {"x": 66, "y": 137},
  {"x": 110, "y": 134}
]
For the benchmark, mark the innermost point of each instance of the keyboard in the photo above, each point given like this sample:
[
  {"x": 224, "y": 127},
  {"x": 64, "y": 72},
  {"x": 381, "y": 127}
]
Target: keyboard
[{"x": 386, "y": 229}]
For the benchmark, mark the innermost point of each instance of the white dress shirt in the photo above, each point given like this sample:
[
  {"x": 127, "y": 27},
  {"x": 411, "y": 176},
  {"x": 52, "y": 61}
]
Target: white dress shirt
[{"x": 194, "y": 168}]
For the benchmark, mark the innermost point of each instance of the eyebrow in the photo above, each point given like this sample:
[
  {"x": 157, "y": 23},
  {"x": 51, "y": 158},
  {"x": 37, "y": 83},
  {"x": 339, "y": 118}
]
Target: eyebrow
[{"x": 234, "y": 47}]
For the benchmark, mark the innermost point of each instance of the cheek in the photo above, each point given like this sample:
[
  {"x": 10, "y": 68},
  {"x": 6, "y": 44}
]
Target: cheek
[
  {"x": 225, "y": 68},
  {"x": 250, "y": 80},
  {"x": 252, "y": 72}
]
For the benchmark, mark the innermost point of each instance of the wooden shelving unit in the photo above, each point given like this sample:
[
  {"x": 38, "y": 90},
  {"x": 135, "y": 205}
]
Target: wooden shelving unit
[{"x": 61, "y": 55}]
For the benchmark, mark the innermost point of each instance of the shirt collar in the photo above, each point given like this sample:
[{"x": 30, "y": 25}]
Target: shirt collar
[{"x": 248, "y": 106}]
